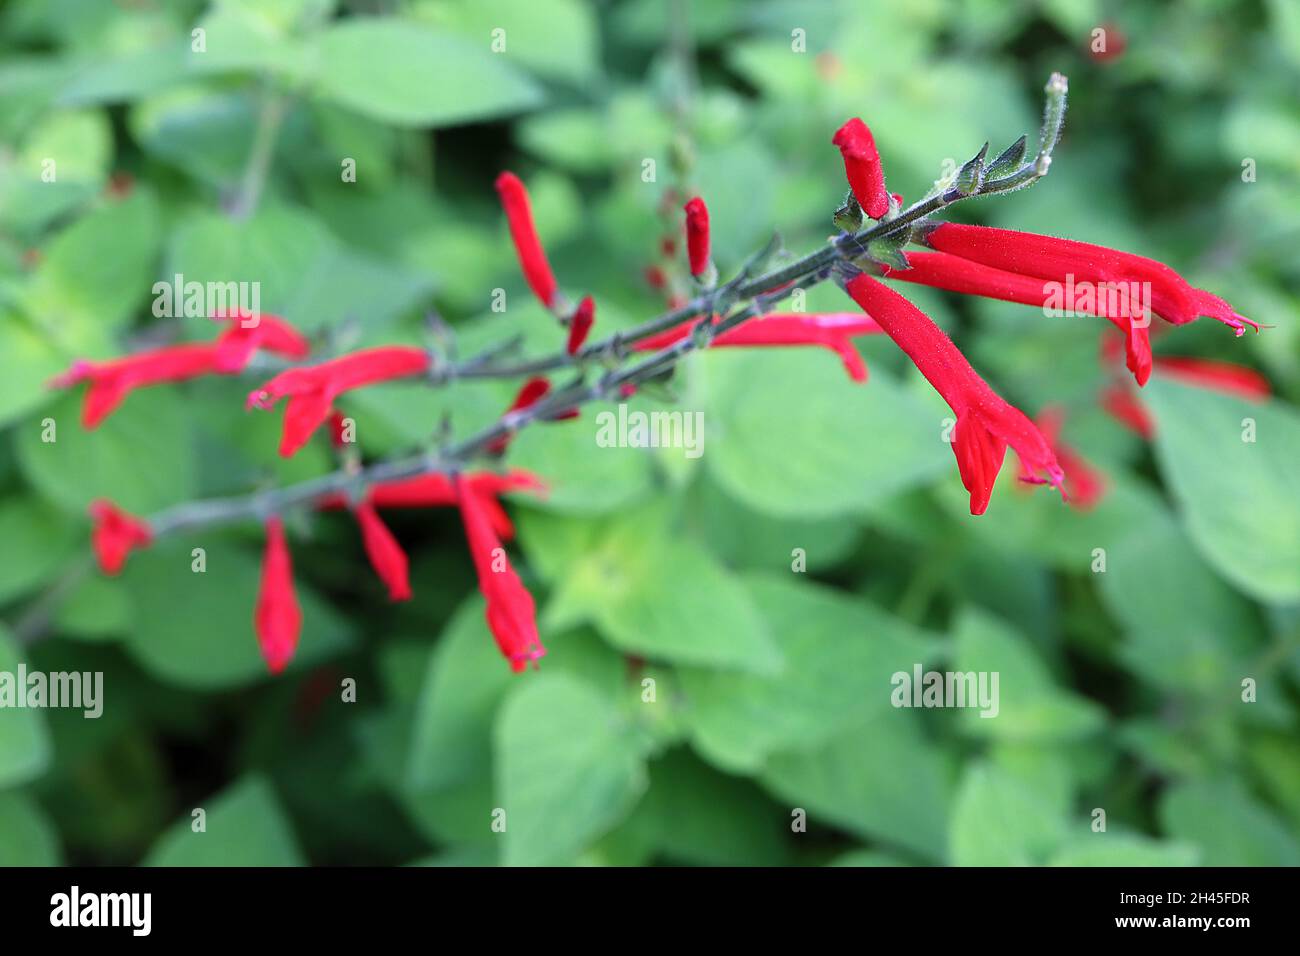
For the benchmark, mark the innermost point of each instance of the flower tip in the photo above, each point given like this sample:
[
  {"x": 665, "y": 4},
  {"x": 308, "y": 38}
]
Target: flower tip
[{"x": 78, "y": 371}]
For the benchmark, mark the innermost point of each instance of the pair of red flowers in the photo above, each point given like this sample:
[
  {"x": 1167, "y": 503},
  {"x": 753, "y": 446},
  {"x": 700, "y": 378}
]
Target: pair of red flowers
[{"x": 1016, "y": 267}]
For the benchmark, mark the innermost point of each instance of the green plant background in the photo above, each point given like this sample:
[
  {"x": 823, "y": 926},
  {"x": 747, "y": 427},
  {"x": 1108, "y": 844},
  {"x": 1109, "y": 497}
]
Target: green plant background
[{"x": 1119, "y": 690}]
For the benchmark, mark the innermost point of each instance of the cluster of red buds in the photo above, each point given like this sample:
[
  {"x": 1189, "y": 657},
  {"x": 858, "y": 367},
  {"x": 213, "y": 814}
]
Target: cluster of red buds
[{"x": 974, "y": 260}]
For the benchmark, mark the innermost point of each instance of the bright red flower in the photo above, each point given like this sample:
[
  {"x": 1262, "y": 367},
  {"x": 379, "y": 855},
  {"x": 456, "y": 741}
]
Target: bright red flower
[
  {"x": 511, "y": 614},
  {"x": 1219, "y": 376},
  {"x": 311, "y": 390},
  {"x": 697, "y": 236},
  {"x": 436, "y": 489},
  {"x": 1048, "y": 257},
  {"x": 580, "y": 324},
  {"x": 532, "y": 258},
  {"x": 338, "y": 430},
  {"x": 834, "y": 331},
  {"x": 986, "y": 423},
  {"x": 1125, "y": 407},
  {"x": 862, "y": 167},
  {"x": 386, "y": 555},
  {"x": 111, "y": 381},
  {"x": 944, "y": 271},
  {"x": 116, "y": 534},
  {"x": 247, "y": 333},
  {"x": 277, "y": 617},
  {"x": 1085, "y": 485}
]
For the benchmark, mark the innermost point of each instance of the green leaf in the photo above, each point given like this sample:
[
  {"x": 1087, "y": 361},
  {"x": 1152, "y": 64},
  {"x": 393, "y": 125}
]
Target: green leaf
[
  {"x": 37, "y": 539},
  {"x": 96, "y": 608},
  {"x": 1237, "y": 497},
  {"x": 1117, "y": 849},
  {"x": 790, "y": 435},
  {"x": 24, "y": 738},
  {"x": 1186, "y": 629},
  {"x": 881, "y": 779},
  {"x": 568, "y": 768},
  {"x": 581, "y": 477},
  {"x": 27, "y": 837},
  {"x": 96, "y": 272},
  {"x": 1030, "y": 705},
  {"x": 700, "y": 816},
  {"x": 1228, "y": 824},
  {"x": 74, "y": 147},
  {"x": 531, "y": 28},
  {"x": 401, "y": 73},
  {"x": 998, "y": 820},
  {"x": 839, "y": 655},
  {"x": 465, "y": 681},
  {"x": 664, "y": 598},
  {"x": 28, "y": 360},
  {"x": 140, "y": 457},
  {"x": 196, "y": 629},
  {"x": 245, "y": 825}
]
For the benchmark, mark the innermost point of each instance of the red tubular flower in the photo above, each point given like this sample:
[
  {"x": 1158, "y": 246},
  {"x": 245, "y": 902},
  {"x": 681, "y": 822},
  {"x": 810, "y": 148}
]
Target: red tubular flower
[
  {"x": 986, "y": 424},
  {"x": 1123, "y": 406},
  {"x": 246, "y": 333},
  {"x": 532, "y": 258},
  {"x": 511, "y": 615},
  {"x": 311, "y": 390},
  {"x": 111, "y": 381},
  {"x": 116, "y": 534},
  {"x": 833, "y": 331},
  {"x": 697, "y": 236},
  {"x": 1219, "y": 376},
  {"x": 386, "y": 555},
  {"x": 1085, "y": 486},
  {"x": 944, "y": 271},
  {"x": 435, "y": 490},
  {"x": 862, "y": 167},
  {"x": 1047, "y": 257},
  {"x": 277, "y": 618},
  {"x": 580, "y": 324}
]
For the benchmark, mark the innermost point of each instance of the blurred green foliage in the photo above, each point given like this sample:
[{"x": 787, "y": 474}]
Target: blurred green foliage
[{"x": 1120, "y": 690}]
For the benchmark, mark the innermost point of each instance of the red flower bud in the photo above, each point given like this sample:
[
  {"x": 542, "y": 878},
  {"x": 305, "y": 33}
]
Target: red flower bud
[
  {"x": 697, "y": 236},
  {"x": 116, "y": 534},
  {"x": 580, "y": 324},
  {"x": 532, "y": 258},
  {"x": 277, "y": 618},
  {"x": 511, "y": 614},
  {"x": 386, "y": 555},
  {"x": 862, "y": 167}
]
